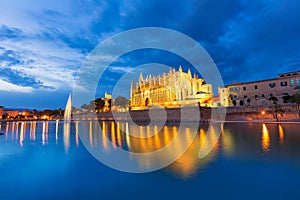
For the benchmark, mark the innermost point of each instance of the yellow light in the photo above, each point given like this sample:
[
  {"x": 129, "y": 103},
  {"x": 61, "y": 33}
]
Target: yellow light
[
  {"x": 265, "y": 138},
  {"x": 263, "y": 112},
  {"x": 281, "y": 133}
]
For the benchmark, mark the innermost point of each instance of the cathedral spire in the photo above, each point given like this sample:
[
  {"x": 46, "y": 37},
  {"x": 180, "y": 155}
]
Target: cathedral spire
[
  {"x": 132, "y": 92},
  {"x": 180, "y": 68},
  {"x": 189, "y": 74},
  {"x": 141, "y": 77},
  {"x": 195, "y": 76},
  {"x": 132, "y": 88}
]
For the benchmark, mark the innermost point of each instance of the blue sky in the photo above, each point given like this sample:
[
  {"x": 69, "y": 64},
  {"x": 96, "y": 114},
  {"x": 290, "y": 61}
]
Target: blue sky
[{"x": 43, "y": 43}]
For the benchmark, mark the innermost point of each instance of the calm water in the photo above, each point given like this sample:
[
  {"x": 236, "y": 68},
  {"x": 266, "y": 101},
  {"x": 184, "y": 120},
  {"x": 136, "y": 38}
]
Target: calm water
[{"x": 250, "y": 160}]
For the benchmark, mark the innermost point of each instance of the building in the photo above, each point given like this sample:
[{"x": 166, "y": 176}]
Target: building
[
  {"x": 10, "y": 113},
  {"x": 170, "y": 90},
  {"x": 261, "y": 93},
  {"x": 1, "y": 111}
]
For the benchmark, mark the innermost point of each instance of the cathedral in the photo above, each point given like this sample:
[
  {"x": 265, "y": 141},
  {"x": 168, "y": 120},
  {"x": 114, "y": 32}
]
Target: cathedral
[{"x": 171, "y": 90}]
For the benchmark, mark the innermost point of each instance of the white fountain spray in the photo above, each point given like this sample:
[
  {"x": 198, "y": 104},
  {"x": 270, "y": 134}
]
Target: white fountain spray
[
  {"x": 67, "y": 121},
  {"x": 68, "y": 110}
]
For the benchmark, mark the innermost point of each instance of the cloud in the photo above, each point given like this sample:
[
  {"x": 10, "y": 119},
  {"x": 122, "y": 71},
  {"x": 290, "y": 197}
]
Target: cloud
[
  {"x": 120, "y": 69},
  {"x": 50, "y": 63},
  {"x": 43, "y": 43},
  {"x": 20, "y": 79},
  {"x": 6, "y": 86}
]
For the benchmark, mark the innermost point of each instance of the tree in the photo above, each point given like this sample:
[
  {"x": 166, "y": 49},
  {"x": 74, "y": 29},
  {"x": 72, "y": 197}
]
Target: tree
[
  {"x": 36, "y": 113},
  {"x": 277, "y": 110},
  {"x": 85, "y": 107},
  {"x": 109, "y": 104},
  {"x": 121, "y": 101},
  {"x": 76, "y": 110},
  {"x": 98, "y": 104},
  {"x": 295, "y": 99}
]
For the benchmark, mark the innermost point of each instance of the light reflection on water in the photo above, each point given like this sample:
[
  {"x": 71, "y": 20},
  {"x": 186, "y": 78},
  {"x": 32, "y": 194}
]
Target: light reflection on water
[
  {"x": 50, "y": 157},
  {"x": 265, "y": 141},
  {"x": 233, "y": 141},
  {"x": 118, "y": 134}
]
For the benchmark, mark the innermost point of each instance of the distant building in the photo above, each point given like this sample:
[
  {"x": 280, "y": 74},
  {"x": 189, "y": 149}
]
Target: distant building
[
  {"x": 260, "y": 93},
  {"x": 1, "y": 111},
  {"x": 170, "y": 90},
  {"x": 108, "y": 102},
  {"x": 103, "y": 104},
  {"x": 10, "y": 113}
]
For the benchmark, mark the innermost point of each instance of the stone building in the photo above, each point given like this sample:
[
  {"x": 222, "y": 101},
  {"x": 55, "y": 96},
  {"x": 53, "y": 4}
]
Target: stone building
[
  {"x": 1, "y": 111},
  {"x": 170, "y": 90},
  {"x": 11, "y": 113},
  {"x": 260, "y": 93}
]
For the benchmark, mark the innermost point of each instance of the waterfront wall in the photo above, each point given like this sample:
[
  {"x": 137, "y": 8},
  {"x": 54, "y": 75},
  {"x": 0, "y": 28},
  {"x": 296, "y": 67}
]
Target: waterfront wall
[
  {"x": 174, "y": 114},
  {"x": 255, "y": 113},
  {"x": 145, "y": 116}
]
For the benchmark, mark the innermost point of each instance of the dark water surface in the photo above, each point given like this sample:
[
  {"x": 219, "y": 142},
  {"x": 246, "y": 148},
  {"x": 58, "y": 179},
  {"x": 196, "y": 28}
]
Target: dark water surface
[{"x": 250, "y": 161}]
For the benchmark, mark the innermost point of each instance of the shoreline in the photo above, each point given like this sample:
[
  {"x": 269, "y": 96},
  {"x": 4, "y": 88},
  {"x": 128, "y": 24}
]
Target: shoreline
[
  {"x": 173, "y": 115},
  {"x": 144, "y": 122}
]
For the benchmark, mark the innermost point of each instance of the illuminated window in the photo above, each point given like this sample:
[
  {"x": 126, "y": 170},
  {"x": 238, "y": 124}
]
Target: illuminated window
[{"x": 292, "y": 82}]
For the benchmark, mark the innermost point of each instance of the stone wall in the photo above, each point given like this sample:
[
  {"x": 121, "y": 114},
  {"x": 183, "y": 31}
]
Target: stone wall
[
  {"x": 255, "y": 113},
  {"x": 174, "y": 114}
]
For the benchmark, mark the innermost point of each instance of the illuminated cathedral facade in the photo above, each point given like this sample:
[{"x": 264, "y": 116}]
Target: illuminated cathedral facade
[{"x": 173, "y": 89}]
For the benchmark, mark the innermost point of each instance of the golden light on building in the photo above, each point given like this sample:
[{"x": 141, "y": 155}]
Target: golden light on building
[
  {"x": 263, "y": 112},
  {"x": 45, "y": 117},
  {"x": 170, "y": 90}
]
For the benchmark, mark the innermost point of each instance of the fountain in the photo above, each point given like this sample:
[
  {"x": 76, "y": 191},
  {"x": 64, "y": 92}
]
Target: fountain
[
  {"x": 67, "y": 121},
  {"x": 68, "y": 110}
]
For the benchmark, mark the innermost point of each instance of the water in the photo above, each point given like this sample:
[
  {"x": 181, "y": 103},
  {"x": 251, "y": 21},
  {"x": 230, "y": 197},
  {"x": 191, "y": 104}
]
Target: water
[{"x": 250, "y": 161}]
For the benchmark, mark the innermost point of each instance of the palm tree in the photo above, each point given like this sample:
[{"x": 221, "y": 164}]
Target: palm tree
[
  {"x": 277, "y": 110},
  {"x": 295, "y": 99}
]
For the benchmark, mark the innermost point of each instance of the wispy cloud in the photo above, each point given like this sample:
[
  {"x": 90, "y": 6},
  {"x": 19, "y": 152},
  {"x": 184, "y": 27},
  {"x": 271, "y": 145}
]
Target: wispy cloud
[{"x": 6, "y": 86}]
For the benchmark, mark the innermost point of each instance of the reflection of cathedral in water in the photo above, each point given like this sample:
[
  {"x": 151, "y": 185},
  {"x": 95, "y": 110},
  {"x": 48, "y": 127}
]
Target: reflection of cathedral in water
[
  {"x": 109, "y": 136},
  {"x": 114, "y": 135},
  {"x": 170, "y": 90}
]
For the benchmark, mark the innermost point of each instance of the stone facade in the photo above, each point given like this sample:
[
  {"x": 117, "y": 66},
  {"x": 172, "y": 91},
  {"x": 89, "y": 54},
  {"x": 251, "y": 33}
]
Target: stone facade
[
  {"x": 1, "y": 111},
  {"x": 173, "y": 89},
  {"x": 10, "y": 113},
  {"x": 260, "y": 93}
]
